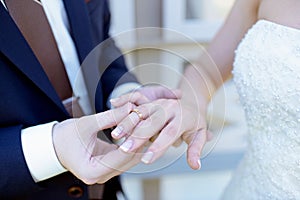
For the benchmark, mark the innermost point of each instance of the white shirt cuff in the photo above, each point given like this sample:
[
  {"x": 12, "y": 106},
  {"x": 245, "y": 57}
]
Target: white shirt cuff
[
  {"x": 122, "y": 89},
  {"x": 39, "y": 152}
]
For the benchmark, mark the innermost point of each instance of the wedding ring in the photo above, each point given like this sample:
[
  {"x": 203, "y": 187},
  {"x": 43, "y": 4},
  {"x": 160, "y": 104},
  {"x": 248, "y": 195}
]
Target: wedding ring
[{"x": 140, "y": 115}]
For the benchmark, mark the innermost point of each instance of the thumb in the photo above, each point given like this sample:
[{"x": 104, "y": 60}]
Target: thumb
[{"x": 195, "y": 147}]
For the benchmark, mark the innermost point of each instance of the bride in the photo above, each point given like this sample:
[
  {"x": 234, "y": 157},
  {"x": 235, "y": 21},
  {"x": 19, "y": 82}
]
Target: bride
[{"x": 260, "y": 44}]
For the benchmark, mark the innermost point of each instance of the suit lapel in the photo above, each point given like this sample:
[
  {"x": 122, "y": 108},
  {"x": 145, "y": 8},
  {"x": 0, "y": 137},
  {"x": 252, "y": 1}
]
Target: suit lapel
[{"x": 15, "y": 48}]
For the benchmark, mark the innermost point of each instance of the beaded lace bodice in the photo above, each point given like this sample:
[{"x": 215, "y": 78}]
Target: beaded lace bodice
[{"x": 267, "y": 77}]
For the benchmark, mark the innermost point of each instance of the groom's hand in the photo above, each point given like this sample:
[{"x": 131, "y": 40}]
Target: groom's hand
[{"x": 87, "y": 157}]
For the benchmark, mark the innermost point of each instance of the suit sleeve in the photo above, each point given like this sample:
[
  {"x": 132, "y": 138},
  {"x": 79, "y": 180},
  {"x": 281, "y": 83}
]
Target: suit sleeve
[{"x": 16, "y": 179}]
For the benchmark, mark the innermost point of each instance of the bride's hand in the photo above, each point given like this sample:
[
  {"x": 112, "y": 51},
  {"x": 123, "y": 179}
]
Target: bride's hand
[
  {"x": 147, "y": 94},
  {"x": 173, "y": 120}
]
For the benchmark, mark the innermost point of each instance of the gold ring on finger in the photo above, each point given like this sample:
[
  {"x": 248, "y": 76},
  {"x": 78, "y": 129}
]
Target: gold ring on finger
[{"x": 140, "y": 115}]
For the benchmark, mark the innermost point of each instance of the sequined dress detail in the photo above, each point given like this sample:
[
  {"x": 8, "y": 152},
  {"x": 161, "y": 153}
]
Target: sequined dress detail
[{"x": 267, "y": 76}]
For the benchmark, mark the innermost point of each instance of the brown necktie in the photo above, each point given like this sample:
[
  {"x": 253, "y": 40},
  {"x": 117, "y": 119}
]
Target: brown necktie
[{"x": 31, "y": 20}]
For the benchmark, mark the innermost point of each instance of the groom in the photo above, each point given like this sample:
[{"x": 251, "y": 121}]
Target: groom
[{"x": 32, "y": 94}]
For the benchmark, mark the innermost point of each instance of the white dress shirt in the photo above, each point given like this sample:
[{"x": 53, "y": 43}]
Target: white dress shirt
[{"x": 36, "y": 141}]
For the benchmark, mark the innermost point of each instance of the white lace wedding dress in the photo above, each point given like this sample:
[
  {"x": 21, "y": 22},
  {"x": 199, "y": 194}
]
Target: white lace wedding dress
[{"x": 267, "y": 76}]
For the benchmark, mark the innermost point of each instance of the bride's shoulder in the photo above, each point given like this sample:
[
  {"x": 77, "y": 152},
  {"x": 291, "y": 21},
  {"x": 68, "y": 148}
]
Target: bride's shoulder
[{"x": 285, "y": 12}]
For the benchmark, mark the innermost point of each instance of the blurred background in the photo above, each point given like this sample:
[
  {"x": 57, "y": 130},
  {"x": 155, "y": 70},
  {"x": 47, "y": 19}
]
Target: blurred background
[{"x": 158, "y": 39}]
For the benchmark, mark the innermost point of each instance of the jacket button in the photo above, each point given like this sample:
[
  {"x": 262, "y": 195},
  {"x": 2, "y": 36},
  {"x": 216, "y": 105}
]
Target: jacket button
[{"x": 75, "y": 191}]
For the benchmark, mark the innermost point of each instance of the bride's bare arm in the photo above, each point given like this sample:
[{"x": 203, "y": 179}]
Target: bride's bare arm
[
  {"x": 215, "y": 64},
  {"x": 203, "y": 78}
]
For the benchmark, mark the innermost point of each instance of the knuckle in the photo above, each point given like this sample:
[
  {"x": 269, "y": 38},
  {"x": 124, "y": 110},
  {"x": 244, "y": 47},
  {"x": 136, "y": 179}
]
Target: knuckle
[
  {"x": 82, "y": 120},
  {"x": 101, "y": 181},
  {"x": 172, "y": 132},
  {"x": 138, "y": 95},
  {"x": 86, "y": 178},
  {"x": 134, "y": 96},
  {"x": 88, "y": 181},
  {"x": 172, "y": 103},
  {"x": 128, "y": 107},
  {"x": 102, "y": 120},
  {"x": 156, "y": 147}
]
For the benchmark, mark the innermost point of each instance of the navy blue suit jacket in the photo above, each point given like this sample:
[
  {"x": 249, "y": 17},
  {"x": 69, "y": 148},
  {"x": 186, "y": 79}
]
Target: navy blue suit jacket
[{"x": 27, "y": 98}]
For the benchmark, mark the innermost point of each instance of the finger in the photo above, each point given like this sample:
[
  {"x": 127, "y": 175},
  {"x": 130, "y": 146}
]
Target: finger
[
  {"x": 112, "y": 117},
  {"x": 133, "y": 97},
  {"x": 170, "y": 94},
  {"x": 210, "y": 135},
  {"x": 126, "y": 126},
  {"x": 177, "y": 93},
  {"x": 177, "y": 143},
  {"x": 146, "y": 128},
  {"x": 87, "y": 127},
  {"x": 165, "y": 139},
  {"x": 195, "y": 147},
  {"x": 94, "y": 123},
  {"x": 158, "y": 92}
]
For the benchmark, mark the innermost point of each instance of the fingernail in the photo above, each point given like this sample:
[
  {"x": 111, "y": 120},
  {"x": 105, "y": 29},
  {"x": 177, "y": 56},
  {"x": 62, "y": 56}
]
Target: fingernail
[
  {"x": 127, "y": 145},
  {"x": 114, "y": 100},
  {"x": 199, "y": 164},
  {"x": 117, "y": 131},
  {"x": 147, "y": 157}
]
